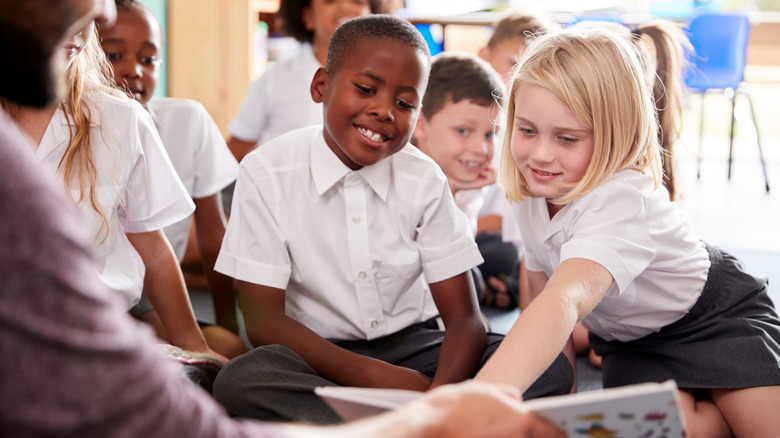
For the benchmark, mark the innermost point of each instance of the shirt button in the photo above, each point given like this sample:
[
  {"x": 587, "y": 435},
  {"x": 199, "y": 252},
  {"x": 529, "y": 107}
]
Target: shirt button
[
  {"x": 362, "y": 275},
  {"x": 374, "y": 324},
  {"x": 356, "y": 218}
]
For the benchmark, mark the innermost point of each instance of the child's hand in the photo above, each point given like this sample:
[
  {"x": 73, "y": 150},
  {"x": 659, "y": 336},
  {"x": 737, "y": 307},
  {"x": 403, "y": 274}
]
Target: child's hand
[
  {"x": 394, "y": 376},
  {"x": 486, "y": 177}
]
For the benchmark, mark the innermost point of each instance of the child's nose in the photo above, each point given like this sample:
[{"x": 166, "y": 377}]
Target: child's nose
[{"x": 382, "y": 112}]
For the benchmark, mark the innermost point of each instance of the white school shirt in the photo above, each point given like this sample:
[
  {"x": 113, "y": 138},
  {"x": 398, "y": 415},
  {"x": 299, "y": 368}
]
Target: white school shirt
[
  {"x": 354, "y": 250},
  {"x": 136, "y": 187},
  {"x": 198, "y": 153},
  {"x": 280, "y": 100},
  {"x": 642, "y": 239}
]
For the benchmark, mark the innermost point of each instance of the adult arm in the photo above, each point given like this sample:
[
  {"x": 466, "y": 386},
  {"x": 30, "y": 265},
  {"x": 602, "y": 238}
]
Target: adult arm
[
  {"x": 465, "y": 337},
  {"x": 164, "y": 285},
  {"x": 209, "y": 231},
  {"x": 544, "y": 327},
  {"x": 266, "y": 323}
]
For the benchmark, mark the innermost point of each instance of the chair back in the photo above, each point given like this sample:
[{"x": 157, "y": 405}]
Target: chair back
[{"x": 720, "y": 44}]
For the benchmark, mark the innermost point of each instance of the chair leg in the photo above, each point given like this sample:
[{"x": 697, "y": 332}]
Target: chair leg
[
  {"x": 701, "y": 136},
  {"x": 731, "y": 132},
  {"x": 758, "y": 138}
]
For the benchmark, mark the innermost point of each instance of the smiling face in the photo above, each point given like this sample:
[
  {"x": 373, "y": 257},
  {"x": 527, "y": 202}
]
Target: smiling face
[
  {"x": 460, "y": 138},
  {"x": 372, "y": 101},
  {"x": 133, "y": 46},
  {"x": 550, "y": 146},
  {"x": 322, "y": 17}
]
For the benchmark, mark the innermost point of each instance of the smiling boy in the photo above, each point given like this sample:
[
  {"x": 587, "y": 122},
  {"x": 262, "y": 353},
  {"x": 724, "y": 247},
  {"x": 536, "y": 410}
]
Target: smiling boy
[{"x": 347, "y": 244}]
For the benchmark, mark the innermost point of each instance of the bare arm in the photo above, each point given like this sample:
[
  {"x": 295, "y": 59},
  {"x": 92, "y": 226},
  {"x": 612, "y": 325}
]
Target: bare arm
[
  {"x": 534, "y": 281},
  {"x": 164, "y": 285},
  {"x": 266, "y": 323},
  {"x": 542, "y": 330},
  {"x": 239, "y": 147},
  {"x": 209, "y": 231},
  {"x": 465, "y": 338}
]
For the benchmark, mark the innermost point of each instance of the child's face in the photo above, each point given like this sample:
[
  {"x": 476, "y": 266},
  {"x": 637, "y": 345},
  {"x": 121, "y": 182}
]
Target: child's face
[
  {"x": 551, "y": 147},
  {"x": 322, "y": 17},
  {"x": 372, "y": 102},
  {"x": 77, "y": 42},
  {"x": 133, "y": 47},
  {"x": 460, "y": 137},
  {"x": 504, "y": 56}
]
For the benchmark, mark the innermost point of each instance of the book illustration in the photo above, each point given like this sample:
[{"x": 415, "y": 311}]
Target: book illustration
[{"x": 648, "y": 410}]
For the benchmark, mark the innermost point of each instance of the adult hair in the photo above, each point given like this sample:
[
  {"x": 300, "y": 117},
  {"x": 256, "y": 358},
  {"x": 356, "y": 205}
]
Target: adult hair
[
  {"x": 89, "y": 72},
  {"x": 291, "y": 15},
  {"x": 599, "y": 75},
  {"x": 516, "y": 24},
  {"x": 379, "y": 26},
  {"x": 665, "y": 49},
  {"x": 456, "y": 76}
]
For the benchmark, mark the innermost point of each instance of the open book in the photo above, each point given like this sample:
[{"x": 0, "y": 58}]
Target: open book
[{"x": 645, "y": 410}]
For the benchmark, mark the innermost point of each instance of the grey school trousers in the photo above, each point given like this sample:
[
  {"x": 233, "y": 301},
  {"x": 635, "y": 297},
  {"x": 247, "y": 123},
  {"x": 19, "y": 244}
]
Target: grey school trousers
[{"x": 272, "y": 383}]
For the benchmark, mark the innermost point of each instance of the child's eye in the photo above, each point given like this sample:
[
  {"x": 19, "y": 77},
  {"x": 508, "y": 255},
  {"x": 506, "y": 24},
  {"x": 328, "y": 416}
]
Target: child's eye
[
  {"x": 490, "y": 135},
  {"x": 527, "y": 131},
  {"x": 462, "y": 131},
  {"x": 405, "y": 105},
  {"x": 364, "y": 90},
  {"x": 567, "y": 139},
  {"x": 149, "y": 60},
  {"x": 113, "y": 57}
]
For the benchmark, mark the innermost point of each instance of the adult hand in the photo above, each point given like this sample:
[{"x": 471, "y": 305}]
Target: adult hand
[{"x": 469, "y": 409}]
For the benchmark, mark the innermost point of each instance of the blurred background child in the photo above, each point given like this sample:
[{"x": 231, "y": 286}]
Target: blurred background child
[
  {"x": 279, "y": 101},
  {"x": 457, "y": 128},
  {"x": 198, "y": 154}
]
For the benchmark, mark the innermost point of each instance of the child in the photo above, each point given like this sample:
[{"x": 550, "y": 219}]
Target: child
[
  {"x": 509, "y": 39},
  {"x": 109, "y": 155},
  {"x": 457, "y": 129},
  {"x": 606, "y": 246},
  {"x": 663, "y": 45},
  {"x": 347, "y": 245},
  {"x": 196, "y": 149},
  {"x": 279, "y": 101}
]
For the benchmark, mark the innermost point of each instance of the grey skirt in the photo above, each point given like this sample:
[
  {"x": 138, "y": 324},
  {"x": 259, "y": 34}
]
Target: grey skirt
[{"x": 730, "y": 338}]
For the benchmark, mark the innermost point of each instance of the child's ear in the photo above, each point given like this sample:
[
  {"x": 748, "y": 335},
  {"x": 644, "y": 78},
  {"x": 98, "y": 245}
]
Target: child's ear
[
  {"x": 319, "y": 85},
  {"x": 484, "y": 53},
  {"x": 307, "y": 17},
  {"x": 420, "y": 130}
]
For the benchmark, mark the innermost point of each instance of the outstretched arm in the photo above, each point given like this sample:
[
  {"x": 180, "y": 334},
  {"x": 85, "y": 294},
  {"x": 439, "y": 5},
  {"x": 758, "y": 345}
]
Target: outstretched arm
[
  {"x": 266, "y": 323},
  {"x": 544, "y": 327},
  {"x": 164, "y": 285},
  {"x": 465, "y": 337}
]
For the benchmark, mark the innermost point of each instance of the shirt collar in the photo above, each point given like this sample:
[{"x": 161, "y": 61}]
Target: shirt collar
[{"x": 327, "y": 169}]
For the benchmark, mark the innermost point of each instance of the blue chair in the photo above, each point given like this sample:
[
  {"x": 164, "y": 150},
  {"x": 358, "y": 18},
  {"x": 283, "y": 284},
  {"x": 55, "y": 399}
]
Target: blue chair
[{"x": 718, "y": 63}]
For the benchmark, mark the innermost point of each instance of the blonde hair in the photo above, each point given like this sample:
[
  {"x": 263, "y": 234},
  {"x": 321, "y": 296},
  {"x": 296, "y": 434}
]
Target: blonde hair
[
  {"x": 89, "y": 72},
  {"x": 599, "y": 75}
]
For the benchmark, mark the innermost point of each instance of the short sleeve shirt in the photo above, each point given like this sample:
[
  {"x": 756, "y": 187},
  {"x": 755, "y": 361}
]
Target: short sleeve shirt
[
  {"x": 354, "y": 250},
  {"x": 137, "y": 187},
  {"x": 198, "y": 153},
  {"x": 280, "y": 100},
  {"x": 635, "y": 232}
]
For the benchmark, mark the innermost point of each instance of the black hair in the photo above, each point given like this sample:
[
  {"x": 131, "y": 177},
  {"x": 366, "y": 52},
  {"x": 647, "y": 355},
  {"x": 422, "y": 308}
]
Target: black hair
[
  {"x": 291, "y": 14},
  {"x": 457, "y": 76},
  {"x": 359, "y": 29}
]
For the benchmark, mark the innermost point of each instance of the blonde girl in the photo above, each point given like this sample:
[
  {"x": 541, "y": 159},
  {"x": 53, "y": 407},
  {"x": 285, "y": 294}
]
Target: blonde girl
[
  {"x": 108, "y": 153},
  {"x": 605, "y": 246}
]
